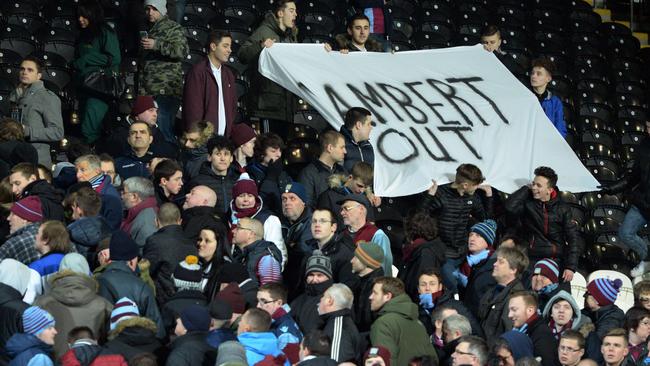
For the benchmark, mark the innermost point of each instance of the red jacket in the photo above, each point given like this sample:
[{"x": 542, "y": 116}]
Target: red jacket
[{"x": 200, "y": 97}]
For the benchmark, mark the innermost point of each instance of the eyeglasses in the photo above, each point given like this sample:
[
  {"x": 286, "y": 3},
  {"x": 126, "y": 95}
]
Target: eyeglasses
[
  {"x": 349, "y": 208},
  {"x": 265, "y": 302},
  {"x": 566, "y": 349},
  {"x": 320, "y": 221}
]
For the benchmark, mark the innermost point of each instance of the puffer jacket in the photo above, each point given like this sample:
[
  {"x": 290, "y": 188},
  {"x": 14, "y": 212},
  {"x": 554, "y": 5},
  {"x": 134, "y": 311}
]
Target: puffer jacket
[
  {"x": 346, "y": 341},
  {"x": 397, "y": 328},
  {"x": 356, "y": 151},
  {"x": 220, "y": 184},
  {"x": 267, "y": 99},
  {"x": 637, "y": 182},
  {"x": 134, "y": 336},
  {"x": 258, "y": 345},
  {"x": 161, "y": 71},
  {"x": 26, "y": 349},
  {"x": 192, "y": 349},
  {"x": 315, "y": 178},
  {"x": 191, "y": 160},
  {"x": 578, "y": 319},
  {"x": 86, "y": 233},
  {"x": 493, "y": 312},
  {"x": 11, "y": 310},
  {"x": 51, "y": 199},
  {"x": 548, "y": 228},
  {"x": 73, "y": 302}
]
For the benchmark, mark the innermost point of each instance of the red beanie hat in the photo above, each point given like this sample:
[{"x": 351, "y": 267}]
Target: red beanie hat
[
  {"x": 378, "y": 351},
  {"x": 142, "y": 103},
  {"x": 29, "y": 208},
  {"x": 244, "y": 185},
  {"x": 233, "y": 296},
  {"x": 241, "y": 134}
]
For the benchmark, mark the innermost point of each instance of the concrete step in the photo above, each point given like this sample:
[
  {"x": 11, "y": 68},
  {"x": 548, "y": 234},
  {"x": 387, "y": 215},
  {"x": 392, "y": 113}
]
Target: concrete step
[{"x": 605, "y": 14}]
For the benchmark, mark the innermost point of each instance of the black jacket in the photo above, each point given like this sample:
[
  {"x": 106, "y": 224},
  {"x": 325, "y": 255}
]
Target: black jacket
[
  {"x": 11, "y": 311},
  {"x": 455, "y": 215},
  {"x": 638, "y": 179},
  {"x": 197, "y": 218},
  {"x": 270, "y": 187},
  {"x": 344, "y": 335},
  {"x": 544, "y": 343},
  {"x": 362, "y": 288},
  {"x": 480, "y": 282},
  {"x": 297, "y": 238},
  {"x": 51, "y": 199},
  {"x": 604, "y": 319},
  {"x": 447, "y": 299},
  {"x": 220, "y": 184},
  {"x": 318, "y": 361},
  {"x": 356, "y": 151},
  {"x": 173, "y": 307},
  {"x": 315, "y": 179},
  {"x": 340, "y": 251},
  {"x": 164, "y": 250},
  {"x": 427, "y": 255},
  {"x": 493, "y": 312},
  {"x": 304, "y": 309},
  {"x": 192, "y": 349},
  {"x": 548, "y": 228},
  {"x": 134, "y": 336}
]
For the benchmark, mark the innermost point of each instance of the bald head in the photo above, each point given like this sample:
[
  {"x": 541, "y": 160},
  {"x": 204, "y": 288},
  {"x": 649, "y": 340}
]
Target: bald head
[{"x": 200, "y": 196}]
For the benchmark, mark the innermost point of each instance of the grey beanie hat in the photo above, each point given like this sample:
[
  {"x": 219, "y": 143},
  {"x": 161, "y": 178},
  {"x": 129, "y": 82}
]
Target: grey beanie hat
[
  {"x": 160, "y": 5},
  {"x": 231, "y": 353}
]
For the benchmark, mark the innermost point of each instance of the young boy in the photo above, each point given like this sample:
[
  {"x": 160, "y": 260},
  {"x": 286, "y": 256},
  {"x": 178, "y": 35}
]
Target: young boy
[{"x": 540, "y": 75}]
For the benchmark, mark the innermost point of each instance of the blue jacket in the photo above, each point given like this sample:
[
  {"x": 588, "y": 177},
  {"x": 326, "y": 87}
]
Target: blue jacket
[
  {"x": 47, "y": 264},
  {"x": 285, "y": 328},
  {"x": 111, "y": 205},
  {"x": 258, "y": 345},
  {"x": 218, "y": 336},
  {"x": 86, "y": 233},
  {"x": 554, "y": 110},
  {"x": 129, "y": 165},
  {"x": 27, "y": 350}
]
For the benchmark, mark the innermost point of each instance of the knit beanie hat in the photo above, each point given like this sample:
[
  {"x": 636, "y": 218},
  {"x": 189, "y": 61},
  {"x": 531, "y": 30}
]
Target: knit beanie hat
[
  {"x": 318, "y": 262},
  {"x": 233, "y": 296},
  {"x": 244, "y": 185},
  {"x": 231, "y": 353},
  {"x": 28, "y": 208},
  {"x": 195, "y": 318},
  {"x": 378, "y": 351},
  {"x": 220, "y": 309},
  {"x": 143, "y": 102},
  {"x": 487, "y": 229},
  {"x": 160, "y": 5},
  {"x": 604, "y": 290},
  {"x": 520, "y": 344},
  {"x": 298, "y": 189},
  {"x": 241, "y": 133},
  {"x": 232, "y": 272},
  {"x": 75, "y": 262},
  {"x": 36, "y": 320},
  {"x": 547, "y": 268},
  {"x": 188, "y": 274},
  {"x": 122, "y": 247},
  {"x": 123, "y": 309},
  {"x": 370, "y": 254}
]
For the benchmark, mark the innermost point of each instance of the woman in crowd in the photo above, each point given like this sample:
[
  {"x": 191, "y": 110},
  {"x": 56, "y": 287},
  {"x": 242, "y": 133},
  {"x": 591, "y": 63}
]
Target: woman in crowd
[{"x": 214, "y": 253}]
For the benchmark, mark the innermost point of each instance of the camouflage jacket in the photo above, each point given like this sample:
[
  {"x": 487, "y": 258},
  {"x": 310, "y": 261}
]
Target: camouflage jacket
[{"x": 161, "y": 71}]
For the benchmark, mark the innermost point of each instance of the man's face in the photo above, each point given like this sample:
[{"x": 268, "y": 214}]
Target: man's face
[
  {"x": 540, "y": 188},
  {"x": 378, "y": 298},
  {"x": 16, "y": 223},
  {"x": 191, "y": 140},
  {"x": 40, "y": 244},
  {"x": 174, "y": 184},
  {"x": 152, "y": 14},
  {"x": 461, "y": 356},
  {"x": 47, "y": 335},
  {"x": 85, "y": 172},
  {"x": 539, "y": 77},
  {"x": 429, "y": 284},
  {"x": 374, "y": 361},
  {"x": 266, "y": 302},
  {"x": 244, "y": 200},
  {"x": 180, "y": 328},
  {"x": 243, "y": 325},
  {"x": 561, "y": 312},
  {"x": 287, "y": 16},
  {"x": 292, "y": 206},
  {"x": 491, "y": 43},
  {"x": 249, "y": 148},
  {"x": 447, "y": 335},
  {"x": 222, "y": 50},
  {"x": 501, "y": 269},
  {"x": 220, "y": 160},
  {"x": 193, "y": 199},
  {"x": 271, "y": 154},
  {"x": 539, "y": 282},
  {"x": 591, "y": 303},
  {"x": 323, "y": 304},
  {"x": 129, "y": 199},
  {"x": 322, "y": 225},
  {"x": 355, "y": 185},
  {"x": 365, "y": 127},
  {"x": 352, "y": 213},
  {"x": 569, "y": 352},
  {"x": 359, "y": 30},
  {"x": 241, "y": 235},
  {"x": 337, "y": 151},
  {"x": 150, "y": 116},
  {"x": 18, "y": 182},
  {"x": 108, "y": 168},
  {"x": 139, "y": 137},
  {"x": 357, "y": 266},
  {"x": 28, "y": 73},
  {"x": 505, "y": 357},
  {"x": 643, "y": 330},
  {"x": 314, "y": 278},
  {"x": 519, "y": 312},
  {"x": 613, "y": 349},
  {"x": 476, "y": 243}
]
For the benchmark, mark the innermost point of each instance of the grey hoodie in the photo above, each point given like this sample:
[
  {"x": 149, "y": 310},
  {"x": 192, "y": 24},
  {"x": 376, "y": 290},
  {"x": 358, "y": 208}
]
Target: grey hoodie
[{"x": 578, "y": 319}]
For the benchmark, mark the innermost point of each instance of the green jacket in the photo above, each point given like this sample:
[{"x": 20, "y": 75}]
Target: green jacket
[
  {"x": 160, "y": 69},
  {"x": 266, "y": 99},
  {"x": 89, "y": 57},
  {"x": 398, "y": 329}
]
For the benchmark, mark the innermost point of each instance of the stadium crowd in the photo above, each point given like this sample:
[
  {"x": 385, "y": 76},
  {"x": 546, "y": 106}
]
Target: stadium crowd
[{"x": 144, "y": 248}]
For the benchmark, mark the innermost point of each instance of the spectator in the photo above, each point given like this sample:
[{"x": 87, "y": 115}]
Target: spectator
[
  {"x": 231, "y": 353},
  {"x": 199, "y": 211},
  {"x": 366, "y": 267},
  {"x": 119, "y": 280},
  {"x": 25, "y": 182},
  {"x": 493, "y": 311},
  {"x": 213, "y": 254},
  {"x": 356, "y": 132},
  {"x": 137, "y": 160},
  {"x": 87, "y": 227},
  {"x": 335, "y": 310},
  {"x": 231, "y": 293},
  {"x": 217, "y": 173},
  {"x": 491, "y": 40},
  {"x": 272, "y": 298},
  {"x": 541, "y": 75},
  {"x": 315, "y": 350},
  {"x": 318, "y": 278},
  {"x": 186, "y": 279},
  {"x": 168, "y": 180},
  {"x": 454, "y": 327},
  {"x": 397, "y": 327},
  {"x": 522, "y": 311},
  {"x": 471, "y": 350},
  {"x": 210, "y": 91},
  {"x": 354, "y": 210},
  {"x": 547, "y": 222},
  {"x": 160, "y": 72},
  {"x": 642, "y": 294},
  {"x": 381, "y": 22},
  {"x": 11, "y": 308},
  {"x": 604, "y": 314},
  {"x": 52, "y": 243},
  {"x": 614, "y": 349},
  {"x": 84, "y": 348},
  {"x": 22, "y": 278},
  {"x": 545, "y": 280},
  {"x": 253, "y": 333},
  {"x": 165, "y": 249},
  {"x": 190, "y": 347},
  {"x": 220, "y": 331},
  {"x": 511, "y": 347},
  {"x": 13, "y": 148},
  {"x": 434, "y": 324},
  {"x": 296, "y": 220},
  {"x": 243, "y": 137},
  {"x": 107, "y": 164},
  {"x": 422, "y": 250},
  {"x": 454, "y": 204},
  {"x": 73, "y": 301},
  {"x": 140, "y": 221},
  {"x": 267, "y": 170},
  {"x": 261, "y": 258},
  {"x": 267, "y": 99},
  {"x": 377, "y": 355},
  {"x": 194, "y": 149},
  {"x": 24, "y": 220},
  {"x": 358, "y": 37},
  {"x": 34, "y": 345},
  {"x": 37, "y": 109},
  {"x": 563, "y": 313},
  {"x": 315, "y": 175},
  {"x": 571, "y": 348},
  {"x": 97, "y": 49},
  {"x": 89, "y": 169},
  {"x": 637, "y": 322}
]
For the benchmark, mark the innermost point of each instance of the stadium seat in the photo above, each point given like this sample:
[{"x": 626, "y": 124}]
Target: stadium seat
[
  {"x": 625, "y": 125},
  {"x": 402, "y": 8},
  {"x": 59, "y": 41},
  {"x": 613, "y": 28},
  {"x": 600, "y": 111},
  {"x": 583, "y": 21},
  {"x": 633, "y": 112},
  {"x": 435, "y": 11},
  {"x": 578, "y": 287},
  {"x": 625, "y": 299},
  {"x": 57, "y": 75},
  {"x": 598, "y": 136},
  {"x": 632, "y": 138},
  {"x": 468, "y": 35},
  {"x": 10, "y": 57},
  {"x": 605, "y": 175},
  {"x": 612, "y": 212},
  {"x": 18, "y": 39},
  {"x": 596, "y": 226},
  {"x": 403, "y": 27},
  {"x": 622, "y": 45},
  {"x": 319, "y": 23},
  {"x": 204, "y": 9},
  {"x": 433, "y": 35},
  {"x": 592, "y": 149},
  {"x": 569, "y": 197}
]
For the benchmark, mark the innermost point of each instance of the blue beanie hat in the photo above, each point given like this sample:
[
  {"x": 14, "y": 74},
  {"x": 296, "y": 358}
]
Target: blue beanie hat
[
  {"x": 36, "y": 320},
  {"x": 122, "y": 247},
  {"x": 487, "y": 229},
  {"x": 196, "y": 318},
  {"x": 298, "y": 189},
  {"x": 520, "y": 344}
]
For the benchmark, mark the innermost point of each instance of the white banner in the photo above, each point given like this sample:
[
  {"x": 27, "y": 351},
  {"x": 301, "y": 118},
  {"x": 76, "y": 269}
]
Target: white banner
[{"x": 434, "y": 110}]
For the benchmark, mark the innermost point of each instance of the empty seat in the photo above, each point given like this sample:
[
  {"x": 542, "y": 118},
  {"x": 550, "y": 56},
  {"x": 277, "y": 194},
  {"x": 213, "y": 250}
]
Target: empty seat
[
  {"x": 625, "y": 125},
  {"x": 10, "y": 57},
  {"x": 632, "y": 138},
  {"x": 598, "y": 136},
  {"x": 633, "y": 112},
  {"x": 591, "y": 149},
  {"x": 57, "y": 75},
  {"x": 403, "y": 27},
  {"x": 600, "y": 111},
  {"x": 319, "y": 23},
  {"x": 468, "y": 34},
  {"x": 17, "y": 39},
  {"x": 569, "y": 197},
  {"x": 622, "y": 45},
  {"x": 604, "y": 175},
  {"x": 615, "y": 213},
  {"x": 204, "y": 9},
  {"x": 597, "y": 161}
]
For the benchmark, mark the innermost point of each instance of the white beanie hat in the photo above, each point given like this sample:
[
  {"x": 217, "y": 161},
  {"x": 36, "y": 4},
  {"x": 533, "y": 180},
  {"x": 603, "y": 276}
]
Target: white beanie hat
[{"x": 160, "y": 5}]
